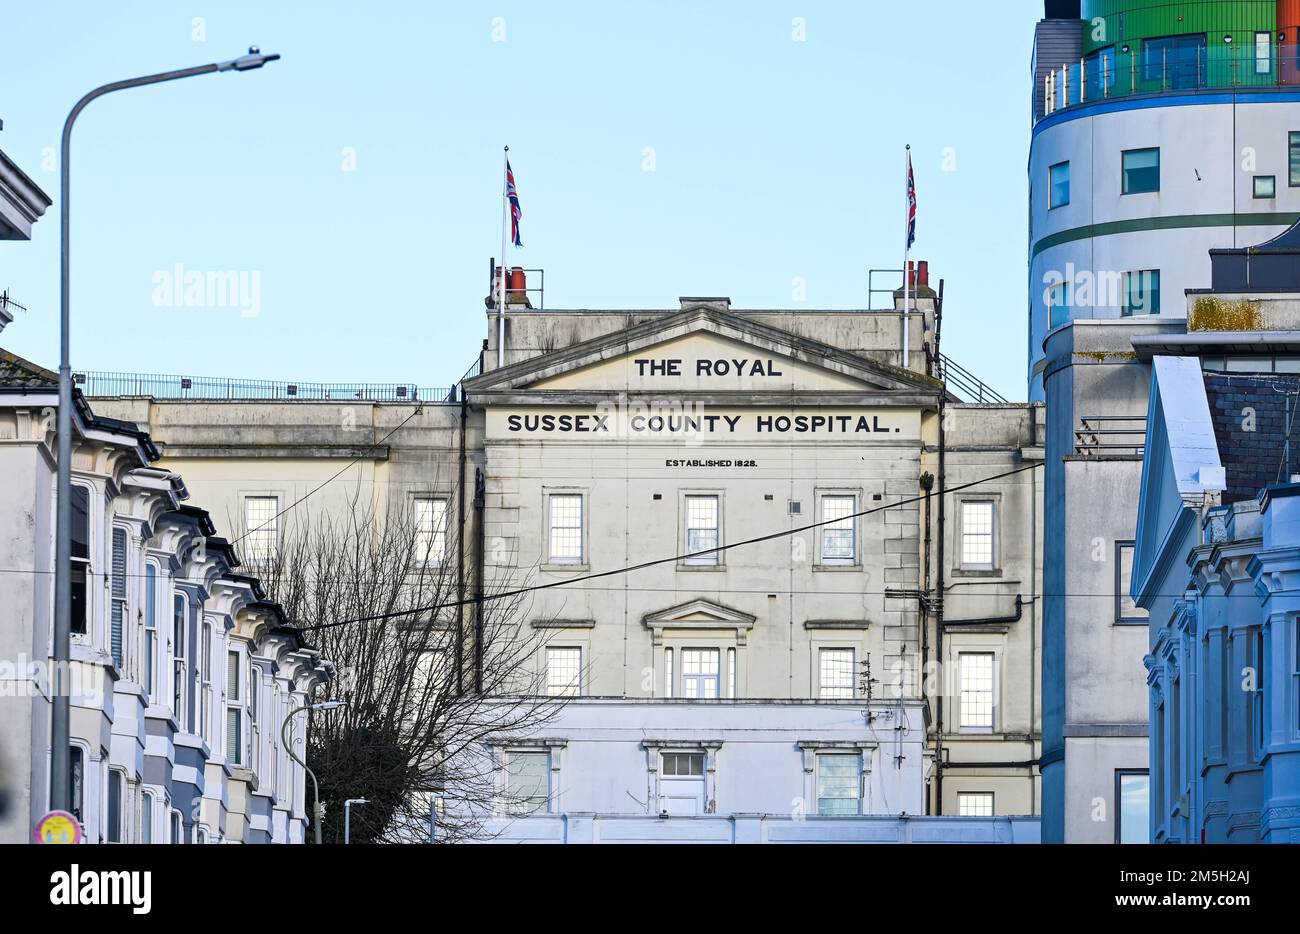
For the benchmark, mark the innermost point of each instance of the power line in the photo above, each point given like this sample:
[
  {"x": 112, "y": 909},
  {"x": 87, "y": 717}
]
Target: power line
[
  {"x": 627, "y": 569},
  {"x": 324, "y": 483},
  {"x": 956, "y": 591}
]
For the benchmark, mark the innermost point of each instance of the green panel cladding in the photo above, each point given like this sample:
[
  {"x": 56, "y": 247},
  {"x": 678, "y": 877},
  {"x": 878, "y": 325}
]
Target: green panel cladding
[{"x": 1228, "y": 57}]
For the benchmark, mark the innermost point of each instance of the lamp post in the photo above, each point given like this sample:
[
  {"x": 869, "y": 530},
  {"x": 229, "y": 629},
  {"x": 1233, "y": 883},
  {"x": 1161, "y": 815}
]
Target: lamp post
[
  {"x": 60, "y": 756},
  {"x": 317, "y": 810},
  {"x": 347, "y": 817}
]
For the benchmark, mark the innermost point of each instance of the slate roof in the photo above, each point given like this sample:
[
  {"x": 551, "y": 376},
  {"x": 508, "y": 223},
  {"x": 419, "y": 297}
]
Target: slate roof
[
  {"x": 18, "y": 376},
  {"x": 1250, "y": 415},
  {"x": 15, "y": 372}
]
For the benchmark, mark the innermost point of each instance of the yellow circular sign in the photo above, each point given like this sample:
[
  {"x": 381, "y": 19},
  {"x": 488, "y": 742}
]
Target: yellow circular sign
[{"x": 58, "y": 827}]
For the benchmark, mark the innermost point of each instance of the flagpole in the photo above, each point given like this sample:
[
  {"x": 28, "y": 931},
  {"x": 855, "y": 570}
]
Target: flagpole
[
  {"x": 907, "y": 246},
  {"x": 505, "y": 234}
]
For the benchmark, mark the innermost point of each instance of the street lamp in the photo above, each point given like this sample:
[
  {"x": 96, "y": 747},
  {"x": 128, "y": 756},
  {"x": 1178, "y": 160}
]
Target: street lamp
[
  {"x": 317, "y": 810},
  {"x": 60, "y": 755},
  {"x": 347, "y": 817}
]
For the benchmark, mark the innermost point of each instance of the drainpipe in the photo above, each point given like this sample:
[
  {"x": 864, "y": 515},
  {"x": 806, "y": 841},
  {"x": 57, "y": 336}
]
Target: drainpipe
[
  {"x": 1037, "y": 616},
  {"x": 939, "y": 581},
  {"x": 1013, "y": 618},
  {"x": 460, "y": 551},
  {"x": 927, "y": 483},
  {"x": 480, "y": 488}
]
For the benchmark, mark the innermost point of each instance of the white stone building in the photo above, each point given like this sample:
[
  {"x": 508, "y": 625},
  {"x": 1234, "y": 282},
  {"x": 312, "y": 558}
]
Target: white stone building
[{"x": 799, "y": 676}]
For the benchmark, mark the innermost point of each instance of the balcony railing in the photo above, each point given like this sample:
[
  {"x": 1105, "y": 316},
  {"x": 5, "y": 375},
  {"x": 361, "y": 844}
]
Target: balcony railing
[
  {"x": 1150, "y": 68},
  {"x": 1111, "y": 436}
]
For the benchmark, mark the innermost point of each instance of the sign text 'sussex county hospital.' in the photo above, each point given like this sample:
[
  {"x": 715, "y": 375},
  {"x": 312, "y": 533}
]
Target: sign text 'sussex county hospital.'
[{"x": 650, "y": 421}]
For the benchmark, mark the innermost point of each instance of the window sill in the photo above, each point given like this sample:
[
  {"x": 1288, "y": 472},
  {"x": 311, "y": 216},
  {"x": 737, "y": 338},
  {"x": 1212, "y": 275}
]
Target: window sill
[
  {"x": 976, "y": 572},
  {"x": 701, "y": 567},
  {"x": 823, "y": 566},
  {"x": 1132, "y": 622},
  {"x": 565, "y": 568}
]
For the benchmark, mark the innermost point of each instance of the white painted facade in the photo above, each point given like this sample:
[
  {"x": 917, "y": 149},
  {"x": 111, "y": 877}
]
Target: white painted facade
[{"x": 714, "y": 669}]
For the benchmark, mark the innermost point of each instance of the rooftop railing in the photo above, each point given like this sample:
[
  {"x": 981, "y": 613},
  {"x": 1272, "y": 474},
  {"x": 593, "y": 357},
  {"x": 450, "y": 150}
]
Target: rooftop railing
[
  {"x": 217, "y": 389},
  {"x": 1158, "y": 67},
  {"x": 966, "y": 384}
]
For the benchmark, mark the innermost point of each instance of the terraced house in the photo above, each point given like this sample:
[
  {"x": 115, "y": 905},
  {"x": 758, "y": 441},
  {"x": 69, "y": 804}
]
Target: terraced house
[{"x": 181, "y": 673}]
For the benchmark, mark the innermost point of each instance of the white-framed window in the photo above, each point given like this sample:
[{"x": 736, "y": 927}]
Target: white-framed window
[
  {"x": 177, "y": 828},
  {"x": 976, "y": 673},
  {"x": 81, "y": 567},
  {"x": 261, "y": 527},
  {"x": 840, "y": 532},
  {"x": 528, "y": 781},
  {"x": 1127, "y": 612},
  {"x": 703, "y": 529},
  {"x": 116, "y": 806},
  {"x": 565, "y": 528},
  {"x": 975, "y": 804},
  {"x": 150, "y": 630},
  {"x": 234, "y": 709},
  {"x": 835, "y": 673},
  {"x": 681, "y": 764},
  {"x": 180, "y": 669},
  {"x": 731, "y": 672},
  {"x": 117, "y": 596},
  {"x": 978, "y": 531},
  {"x": 250, "y": 705},
  {"x": 146, "y": 818},
  {"x": 839, "y": 784},
  {"x": 430, "y": 529},
  {"x": 77, "y": 782},
  {"x": 205, "y": 681},
  {"x": 563, "y": 671},
  {"x": 669, "y": 677},
  {"x": 700, "y": 673}
]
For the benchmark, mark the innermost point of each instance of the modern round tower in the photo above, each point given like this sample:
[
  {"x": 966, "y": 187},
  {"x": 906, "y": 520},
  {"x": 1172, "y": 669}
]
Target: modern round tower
[{"x": 1162, "y": 130}]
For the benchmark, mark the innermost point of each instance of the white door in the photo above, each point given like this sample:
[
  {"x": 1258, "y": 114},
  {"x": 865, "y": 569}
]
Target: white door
[{"x": 681, "y": 783}]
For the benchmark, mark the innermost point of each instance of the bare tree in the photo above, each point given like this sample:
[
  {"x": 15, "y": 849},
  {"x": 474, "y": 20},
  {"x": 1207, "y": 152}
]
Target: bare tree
[{"x": 413, "y": 719}]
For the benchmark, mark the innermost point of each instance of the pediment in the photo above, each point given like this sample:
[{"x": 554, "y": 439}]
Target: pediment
[
  {"x": 700, "y": 614},
  {"x": 702, "y": 350}
]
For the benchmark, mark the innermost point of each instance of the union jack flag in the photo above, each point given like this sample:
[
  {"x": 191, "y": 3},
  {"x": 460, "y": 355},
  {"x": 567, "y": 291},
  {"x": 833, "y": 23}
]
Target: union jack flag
[
  {"x": 911, "y": 202},
  {"x": 512, "y": 195}
]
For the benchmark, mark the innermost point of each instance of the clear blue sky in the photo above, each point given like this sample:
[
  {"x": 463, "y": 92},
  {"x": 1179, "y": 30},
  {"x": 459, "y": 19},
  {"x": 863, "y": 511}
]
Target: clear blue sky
[{"x": 773, "y": 159}]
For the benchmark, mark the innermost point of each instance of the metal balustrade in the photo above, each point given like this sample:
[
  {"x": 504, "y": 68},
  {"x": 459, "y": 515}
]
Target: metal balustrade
[
  {"x": 1148, "y": 69},
  {"x": 1111, "y": 435}
]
